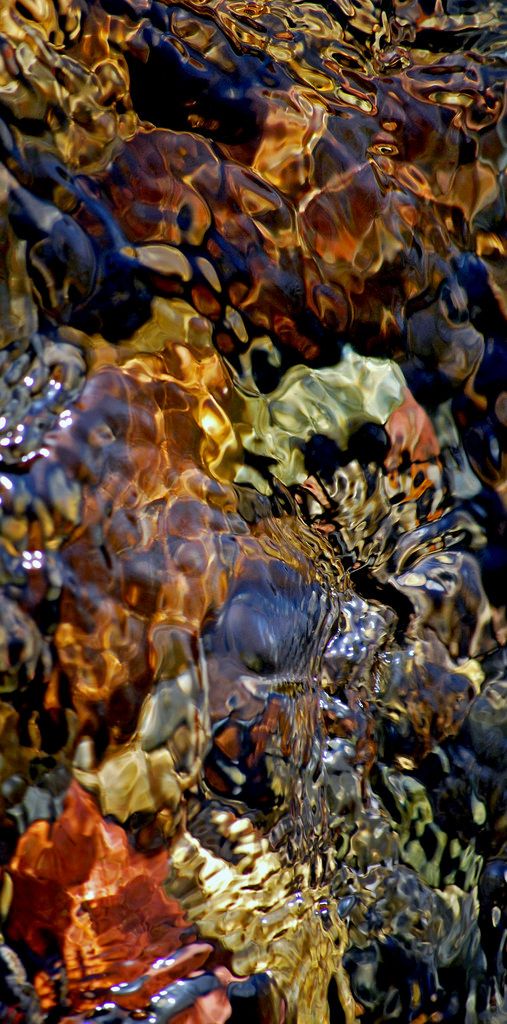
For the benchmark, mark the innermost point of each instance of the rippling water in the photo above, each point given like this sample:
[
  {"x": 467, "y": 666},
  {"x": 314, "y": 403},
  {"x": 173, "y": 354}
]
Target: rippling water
[{"x": 253, "y": 421}]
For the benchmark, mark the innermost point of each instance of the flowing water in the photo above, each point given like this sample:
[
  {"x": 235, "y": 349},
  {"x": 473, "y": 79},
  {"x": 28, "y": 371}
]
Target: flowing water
[{"x": 253, "y": 422}]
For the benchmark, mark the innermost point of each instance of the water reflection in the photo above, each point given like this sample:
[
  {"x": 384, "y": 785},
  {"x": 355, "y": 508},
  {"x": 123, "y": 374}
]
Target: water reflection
[{"x": 252, "y": 526}]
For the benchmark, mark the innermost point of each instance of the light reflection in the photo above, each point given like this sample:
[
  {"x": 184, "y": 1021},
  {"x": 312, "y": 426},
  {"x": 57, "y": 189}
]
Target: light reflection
[{"x": 252, "y": 706}]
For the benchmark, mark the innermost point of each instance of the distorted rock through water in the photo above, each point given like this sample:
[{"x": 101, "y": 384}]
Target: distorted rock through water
[{"x": 253, "y": 421}]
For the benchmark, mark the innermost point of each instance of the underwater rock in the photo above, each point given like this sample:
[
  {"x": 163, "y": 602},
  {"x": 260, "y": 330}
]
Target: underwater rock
[{"x": 253, "y": 428}]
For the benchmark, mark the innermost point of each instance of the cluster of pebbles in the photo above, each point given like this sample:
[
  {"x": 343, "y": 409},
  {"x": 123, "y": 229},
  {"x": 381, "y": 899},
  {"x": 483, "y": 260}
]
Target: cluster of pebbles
[{"x": 253, "y": 422}]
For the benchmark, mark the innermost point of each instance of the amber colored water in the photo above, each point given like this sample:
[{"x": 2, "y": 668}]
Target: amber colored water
[{"x": 253, "y": 561}]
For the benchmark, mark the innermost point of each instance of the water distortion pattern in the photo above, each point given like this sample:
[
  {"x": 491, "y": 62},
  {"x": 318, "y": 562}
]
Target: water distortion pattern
[{"x": 253, "y": 422}]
